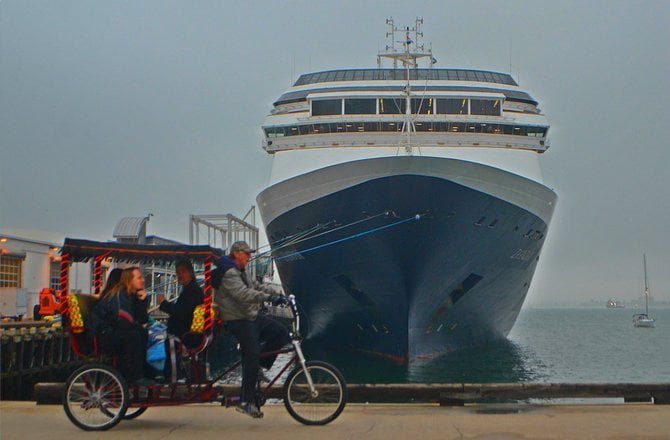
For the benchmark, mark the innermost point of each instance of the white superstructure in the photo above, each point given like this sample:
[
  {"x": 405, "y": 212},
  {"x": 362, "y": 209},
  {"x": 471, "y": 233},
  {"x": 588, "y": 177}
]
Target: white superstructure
[{"x": 340, "y": 115}]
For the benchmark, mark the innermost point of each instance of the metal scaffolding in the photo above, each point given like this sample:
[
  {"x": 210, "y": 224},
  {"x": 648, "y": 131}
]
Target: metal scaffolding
[{"x": 222, "y": 230}]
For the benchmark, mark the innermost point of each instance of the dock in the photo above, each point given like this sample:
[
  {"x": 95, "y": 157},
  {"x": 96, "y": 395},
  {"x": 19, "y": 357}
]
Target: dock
[
  {"x": 20, "y": 420},
  {"x": 451, "y": 394},
  {"x": 32, "y": 352}
]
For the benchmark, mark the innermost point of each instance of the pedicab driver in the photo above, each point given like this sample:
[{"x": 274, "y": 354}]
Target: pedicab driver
[{"x": 239, "y": 299}]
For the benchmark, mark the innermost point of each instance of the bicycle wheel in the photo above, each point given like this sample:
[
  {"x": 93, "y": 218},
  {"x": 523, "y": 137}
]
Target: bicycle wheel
[
  {"x": 133, "y": 413},
  {"x": 95, "y": 397},
  {"x": 329, "y": 397}
]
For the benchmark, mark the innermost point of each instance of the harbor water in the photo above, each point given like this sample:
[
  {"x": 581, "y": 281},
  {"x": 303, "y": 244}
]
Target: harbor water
[{"x": 545, "y": 345}]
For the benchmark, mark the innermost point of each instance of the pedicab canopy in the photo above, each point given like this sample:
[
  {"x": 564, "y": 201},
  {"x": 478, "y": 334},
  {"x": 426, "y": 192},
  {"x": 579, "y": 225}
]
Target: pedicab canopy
[
  {"x": 84, "y": 250},
  {"x": 75, "y": 250}
]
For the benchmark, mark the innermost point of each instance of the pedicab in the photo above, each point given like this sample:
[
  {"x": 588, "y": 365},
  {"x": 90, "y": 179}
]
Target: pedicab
[{"x": 96, "y": 396}]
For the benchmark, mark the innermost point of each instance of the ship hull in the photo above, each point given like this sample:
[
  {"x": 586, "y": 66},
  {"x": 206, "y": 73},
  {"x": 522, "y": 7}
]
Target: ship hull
[{"x": 407, "y": 257}]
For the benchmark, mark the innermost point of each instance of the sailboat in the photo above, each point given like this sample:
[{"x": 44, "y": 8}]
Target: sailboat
[{"x": 643, "y": 319}]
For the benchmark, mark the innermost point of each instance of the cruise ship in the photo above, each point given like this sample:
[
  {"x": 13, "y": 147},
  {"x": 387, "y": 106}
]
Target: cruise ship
[{"x": 406, "y": 209}]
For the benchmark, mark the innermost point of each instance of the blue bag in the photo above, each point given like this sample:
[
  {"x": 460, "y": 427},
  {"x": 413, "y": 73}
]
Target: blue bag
[{"x": 156, "y": 346}]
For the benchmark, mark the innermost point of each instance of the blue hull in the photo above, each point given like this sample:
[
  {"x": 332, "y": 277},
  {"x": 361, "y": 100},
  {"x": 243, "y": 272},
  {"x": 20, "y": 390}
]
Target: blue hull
[{"x": 424, "y": 265}]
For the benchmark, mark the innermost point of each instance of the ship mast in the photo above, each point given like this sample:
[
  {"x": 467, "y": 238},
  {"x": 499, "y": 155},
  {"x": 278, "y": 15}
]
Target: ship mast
[
  {"x": 408, "y": 56},
  {"x": 646, "y": 285}
]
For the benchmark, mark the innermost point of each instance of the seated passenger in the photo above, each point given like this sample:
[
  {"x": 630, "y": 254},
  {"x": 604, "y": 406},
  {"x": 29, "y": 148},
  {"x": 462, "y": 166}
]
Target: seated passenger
[
  {"x": 112, "y": 280},
  {"x": 181, "y": 311},
  {"x": 119, "y": 321}
]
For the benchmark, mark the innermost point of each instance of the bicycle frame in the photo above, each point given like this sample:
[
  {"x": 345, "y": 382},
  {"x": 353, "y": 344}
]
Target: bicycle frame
[{"x": 208, "y": 392}]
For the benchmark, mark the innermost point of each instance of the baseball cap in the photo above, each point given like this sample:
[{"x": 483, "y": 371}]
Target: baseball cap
[{"x": 241, "y": 246}]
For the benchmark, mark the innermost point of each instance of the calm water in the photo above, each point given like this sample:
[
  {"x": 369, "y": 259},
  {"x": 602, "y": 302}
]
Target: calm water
[{"x": 545, "y": 345}]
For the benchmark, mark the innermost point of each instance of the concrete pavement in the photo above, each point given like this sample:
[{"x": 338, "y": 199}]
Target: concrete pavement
[{"x": 28, "y": 421}]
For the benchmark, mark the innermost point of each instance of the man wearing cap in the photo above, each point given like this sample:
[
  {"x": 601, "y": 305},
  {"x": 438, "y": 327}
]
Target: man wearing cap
[{"x": 239, "y": 299}]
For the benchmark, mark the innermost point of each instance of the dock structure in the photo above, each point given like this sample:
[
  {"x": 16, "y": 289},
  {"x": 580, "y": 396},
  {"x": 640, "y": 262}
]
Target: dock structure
[
  {"x": 453, "y": 394},
  {"x": 30, "y": 353}
]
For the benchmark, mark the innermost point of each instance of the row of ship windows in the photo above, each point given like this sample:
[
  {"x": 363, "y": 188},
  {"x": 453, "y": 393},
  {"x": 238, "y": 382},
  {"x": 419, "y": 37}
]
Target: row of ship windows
[
  {"x": 402, "y": 74},
  {"x": 398, "y": 106},
  {"x": 396, "y": 126}
]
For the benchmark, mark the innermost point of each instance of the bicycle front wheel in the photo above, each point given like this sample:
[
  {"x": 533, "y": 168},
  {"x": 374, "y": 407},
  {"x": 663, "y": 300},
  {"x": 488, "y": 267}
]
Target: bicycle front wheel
[
  {"x": 95, "y": 397},
  {"x": 322, "y": 405}
]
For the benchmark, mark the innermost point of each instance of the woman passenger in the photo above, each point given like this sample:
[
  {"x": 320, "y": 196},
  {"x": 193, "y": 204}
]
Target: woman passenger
[
  {"x": 112, "y": 280},
  {"x": 120, "y": 319}
]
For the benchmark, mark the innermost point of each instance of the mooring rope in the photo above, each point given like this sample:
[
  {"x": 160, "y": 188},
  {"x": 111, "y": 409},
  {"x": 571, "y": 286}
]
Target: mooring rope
[
  {"x": 416, "y": 217},
  {"x": 293, "y": 239}
]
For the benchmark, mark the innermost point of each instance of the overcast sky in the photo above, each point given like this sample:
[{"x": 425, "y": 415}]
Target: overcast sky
[{"x": 111, "y": 109}]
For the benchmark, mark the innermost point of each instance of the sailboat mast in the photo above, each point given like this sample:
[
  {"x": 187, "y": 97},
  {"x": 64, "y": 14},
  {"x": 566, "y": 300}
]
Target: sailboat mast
[{"x": 646, "y": 285}]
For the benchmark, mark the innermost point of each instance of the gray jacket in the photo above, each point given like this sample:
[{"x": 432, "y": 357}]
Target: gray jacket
[{"x": 241, "y": 298}]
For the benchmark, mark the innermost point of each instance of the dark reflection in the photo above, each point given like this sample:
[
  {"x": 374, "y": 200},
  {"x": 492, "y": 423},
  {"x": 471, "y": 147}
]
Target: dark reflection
[
  {"x": 501, "y": 361},
  {"x": 497, "y": 362},
  {"x": 358, "y": 367}
]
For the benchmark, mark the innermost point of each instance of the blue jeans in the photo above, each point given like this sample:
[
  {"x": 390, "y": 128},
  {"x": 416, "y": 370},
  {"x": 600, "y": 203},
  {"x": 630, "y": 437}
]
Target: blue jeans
[{"x": 250, "y": 335}]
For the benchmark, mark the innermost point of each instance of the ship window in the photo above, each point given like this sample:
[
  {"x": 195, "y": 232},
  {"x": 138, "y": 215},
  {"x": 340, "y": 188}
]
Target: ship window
[
  {"x": 305, "y": 129},
  {"x": 537, "y": 131},
  {"x": 10, "y": 271},
  {"x": 322, "y": 128},
  {"x": 391, "y": 106},
  {"x": 391, "y": 126},
  {"x": 423, "y": 126},
  {"x": 452, "y": 106},
  {"x": 274, "y": 132},
  {"x": 371, "y": 126},
  {"x": 485, "y": 107},
  {"x": 327, "y": 107},
  {"x": 360, "y": 106},
  {"x": 456, "y": 127},
  {"x": 423, "y": 106}
]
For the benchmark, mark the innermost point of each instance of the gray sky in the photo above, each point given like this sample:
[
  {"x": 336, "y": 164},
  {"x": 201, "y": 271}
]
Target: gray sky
[{"x": 121, "y": 108}]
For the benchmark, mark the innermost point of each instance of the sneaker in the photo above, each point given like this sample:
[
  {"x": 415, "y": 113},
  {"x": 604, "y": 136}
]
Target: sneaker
[{"x": 249, "y": 409}]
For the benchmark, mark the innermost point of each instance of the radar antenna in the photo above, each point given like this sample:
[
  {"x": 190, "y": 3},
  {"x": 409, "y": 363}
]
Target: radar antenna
[{"x": 407, "y": 55}]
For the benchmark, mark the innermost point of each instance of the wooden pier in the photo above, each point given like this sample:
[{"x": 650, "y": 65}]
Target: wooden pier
[
  {"x": 456, "y": 394},
  {"x": 31, "y": 353}
]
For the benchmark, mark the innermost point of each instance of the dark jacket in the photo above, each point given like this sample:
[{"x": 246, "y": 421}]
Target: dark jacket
[
  {"x": 181, "y": 311},
  {"x": 119, "y": 311},
  {"x": 235, "y": 296}
]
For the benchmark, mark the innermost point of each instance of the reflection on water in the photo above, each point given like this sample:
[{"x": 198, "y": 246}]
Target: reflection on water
[
  {"x": 551, "y": 345},
  {"x": 503, "y": 361}
]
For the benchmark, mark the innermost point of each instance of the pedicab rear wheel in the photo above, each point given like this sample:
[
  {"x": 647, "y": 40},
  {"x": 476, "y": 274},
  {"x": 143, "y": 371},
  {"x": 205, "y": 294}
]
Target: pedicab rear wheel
[
  {"x": 95, "y": 397},
  {"x": 133, "y": 413}
]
